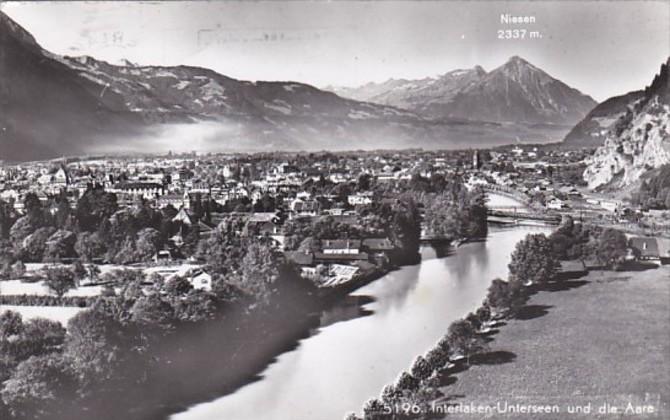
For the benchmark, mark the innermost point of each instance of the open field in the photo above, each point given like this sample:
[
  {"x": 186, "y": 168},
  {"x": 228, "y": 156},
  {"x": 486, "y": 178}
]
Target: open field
[
  {"x": 38, "y": 288},
  {"x": 601, "y": 339},
  {"x": 61, "y": 314}
]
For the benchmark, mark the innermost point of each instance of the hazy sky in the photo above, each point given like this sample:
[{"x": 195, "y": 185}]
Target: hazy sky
[{"x": 603, "y": 48}]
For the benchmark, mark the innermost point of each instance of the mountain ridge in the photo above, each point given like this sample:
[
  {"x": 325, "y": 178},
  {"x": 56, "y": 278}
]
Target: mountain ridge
[
  {"x": 52, "y": 105},
  {"x": 516, "y": 91}
]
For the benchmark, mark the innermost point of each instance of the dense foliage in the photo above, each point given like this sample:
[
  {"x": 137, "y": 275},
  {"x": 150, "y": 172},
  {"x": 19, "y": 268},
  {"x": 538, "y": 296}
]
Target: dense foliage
[
  {"x": 533, "y": 260},
  {"x": 94, "y": 230},
  {"x": 654, "y": 192},
  {"x": 578, "y": 241}
]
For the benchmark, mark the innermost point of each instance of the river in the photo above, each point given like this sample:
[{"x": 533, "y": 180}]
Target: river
[{"x": 344, "y": 363}]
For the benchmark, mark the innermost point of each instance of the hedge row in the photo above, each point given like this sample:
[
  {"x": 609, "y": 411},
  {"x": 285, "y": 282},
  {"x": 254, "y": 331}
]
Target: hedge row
[{"x": 46, "y": 300}]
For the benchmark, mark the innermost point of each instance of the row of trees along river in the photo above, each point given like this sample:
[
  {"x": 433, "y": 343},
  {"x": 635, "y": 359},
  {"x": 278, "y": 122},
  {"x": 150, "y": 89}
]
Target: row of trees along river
[{"x": 365, "y": 341}]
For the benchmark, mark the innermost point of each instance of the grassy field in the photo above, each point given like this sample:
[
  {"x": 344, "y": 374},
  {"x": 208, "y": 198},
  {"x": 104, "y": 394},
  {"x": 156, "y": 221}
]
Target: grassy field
[{"x": 598, "y": 340}]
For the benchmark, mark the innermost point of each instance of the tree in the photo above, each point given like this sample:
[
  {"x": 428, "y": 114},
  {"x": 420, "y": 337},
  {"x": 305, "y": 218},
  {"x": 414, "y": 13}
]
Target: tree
[
  {"x": 444, "y": 345},
  {"x": 196, "y": 306},
  {"x": 42, "y": 386},
  {"x": 148, "y": 243},
  {"x": 473, "y": 320},
  {"x": 374, "y": 409},
  {"x": 7, "y": 258},
  {"x": 560, "y": 244},
  {"x": 41, "y": 336},
  {"x": 59, "y": 280},
  {"x": 33, "y": 209},
  {"x": 464, "y": 340},
  {"x": 90, "y": 246},
  {"x": 79, "y": 271},
  {"x": 421, "y": 369},
  {"x": 11, "y": 324},
  {"x": 153, "y": 312},
  {"x": 63, "y": 211},
  {"x": 406, "y": 382},
  {"x": 533, "y": 260},
  {"x": 7, "y": 218},
  {"x": 126, "y": 253},
  {"x": 97, "y": 347},
  {"x": 124, "y": 276},
  {"x": 177, "y": 287},
  {"x": 18, "y": 270},
  {"x": 33, "y": 245},
  {"x": 259, "y": 271},
  {"x": 483, "y": 314},
  {"x": 404, "y": 230},
  {"x": 265, "y": 203},
  {"x": 364, "y": 182},
  {"x": 437, "y": 358},
  {"x": 390, "y": 395},
  {"x": 223, "y": 250},
  {"x": 93, "y": 272},
  {"x": 503, "y": 297},
  {"x": 21, "y": 228},
  {"x": 60, "y": 245},
  {"x": 191, "y": 240},
  {"x": 93, "y": 207},
  {"x": 612, "y": 248}
]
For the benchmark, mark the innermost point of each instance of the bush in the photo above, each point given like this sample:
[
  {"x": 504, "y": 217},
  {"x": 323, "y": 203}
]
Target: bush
[{"x": 46, "y": 300}]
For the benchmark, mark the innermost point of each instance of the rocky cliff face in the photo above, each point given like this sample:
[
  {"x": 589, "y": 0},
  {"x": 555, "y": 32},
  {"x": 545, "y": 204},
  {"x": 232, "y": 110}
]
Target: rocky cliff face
[
  {"x": 593, "y": 129},
  {"x": 637, "y": 142}
]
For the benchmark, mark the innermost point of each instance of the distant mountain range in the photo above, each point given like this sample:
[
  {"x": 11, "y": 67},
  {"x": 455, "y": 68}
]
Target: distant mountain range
[
  {"x": 516, "y": 92},
  {"x": 54, "y": 105},
  {"x": 635, "y": 129}
]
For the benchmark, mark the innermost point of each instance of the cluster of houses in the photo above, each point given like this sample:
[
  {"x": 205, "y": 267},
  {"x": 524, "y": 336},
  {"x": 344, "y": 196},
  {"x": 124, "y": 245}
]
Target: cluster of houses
[{"x": 337, "y": 260}]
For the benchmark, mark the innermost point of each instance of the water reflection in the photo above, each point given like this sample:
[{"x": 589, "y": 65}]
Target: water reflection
[
  {"x": 351, "y": 307},
  {"x": 365, "y": 341}
]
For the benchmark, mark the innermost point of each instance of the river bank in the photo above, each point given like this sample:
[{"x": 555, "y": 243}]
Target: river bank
[
  {"x": 360, "y": 346},
  {"x": 597, "y": 345}
]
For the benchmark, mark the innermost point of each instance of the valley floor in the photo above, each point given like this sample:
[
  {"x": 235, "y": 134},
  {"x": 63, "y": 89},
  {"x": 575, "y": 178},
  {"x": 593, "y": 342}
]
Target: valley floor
[{"x": 601, "y": 339}]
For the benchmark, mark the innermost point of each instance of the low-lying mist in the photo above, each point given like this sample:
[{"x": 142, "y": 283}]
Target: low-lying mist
[{"x": 203, "y": 137}]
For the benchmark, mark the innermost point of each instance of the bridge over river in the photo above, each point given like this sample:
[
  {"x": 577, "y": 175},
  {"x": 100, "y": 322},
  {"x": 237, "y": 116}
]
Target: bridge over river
[{"x": 506, "y": 208}]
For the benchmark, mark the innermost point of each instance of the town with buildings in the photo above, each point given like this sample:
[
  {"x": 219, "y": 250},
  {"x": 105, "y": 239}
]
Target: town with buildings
[{"x": 265, "y": 191}]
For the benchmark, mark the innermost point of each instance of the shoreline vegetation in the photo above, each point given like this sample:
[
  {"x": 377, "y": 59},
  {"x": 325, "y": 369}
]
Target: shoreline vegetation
[
  {"x": 177, "y": 344},
  {"x": 535, "y": 267}
]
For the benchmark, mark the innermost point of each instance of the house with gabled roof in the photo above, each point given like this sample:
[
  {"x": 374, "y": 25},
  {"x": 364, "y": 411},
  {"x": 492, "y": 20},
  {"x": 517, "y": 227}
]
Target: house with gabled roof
[{"x": 645, "y": 248}]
